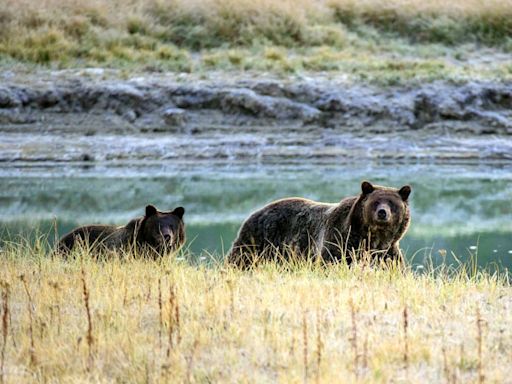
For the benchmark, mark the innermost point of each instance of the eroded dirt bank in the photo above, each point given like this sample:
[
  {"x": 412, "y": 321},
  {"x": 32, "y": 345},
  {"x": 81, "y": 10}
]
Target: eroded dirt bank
[{"x": 103, "y": 116}]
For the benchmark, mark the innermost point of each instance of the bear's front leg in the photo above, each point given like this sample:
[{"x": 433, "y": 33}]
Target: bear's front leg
[
  {"x": 394, "y": 254},
  {"x": 335, "y": 253}
]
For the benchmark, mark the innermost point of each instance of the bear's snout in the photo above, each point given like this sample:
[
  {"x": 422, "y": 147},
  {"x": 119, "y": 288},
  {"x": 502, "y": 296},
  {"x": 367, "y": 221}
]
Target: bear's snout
[
  {"x": 167, "y": 238},
  {"x": 383, "y": 213}
]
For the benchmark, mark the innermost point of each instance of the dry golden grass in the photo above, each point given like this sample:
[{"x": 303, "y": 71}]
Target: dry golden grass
[
  {"x": 165, "y": 35},
  {"x": 172, "y": 321},
  {"x": 457, "y": 8}
]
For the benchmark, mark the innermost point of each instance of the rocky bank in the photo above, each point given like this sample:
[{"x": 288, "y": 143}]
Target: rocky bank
[{"x": 303, "y": 111}]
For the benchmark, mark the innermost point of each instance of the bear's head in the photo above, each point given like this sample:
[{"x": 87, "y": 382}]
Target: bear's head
[
  {"x": 162, "y": 231},
  {"x": 385, "y": 207}
]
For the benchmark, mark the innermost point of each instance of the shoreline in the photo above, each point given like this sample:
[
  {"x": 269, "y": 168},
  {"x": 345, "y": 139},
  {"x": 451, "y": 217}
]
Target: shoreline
[{"x": 99, "y": 116}]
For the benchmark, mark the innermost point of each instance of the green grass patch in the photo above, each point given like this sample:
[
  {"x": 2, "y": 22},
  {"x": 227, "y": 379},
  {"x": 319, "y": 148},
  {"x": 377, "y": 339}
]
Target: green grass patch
[{"x": 283, "y": 37}]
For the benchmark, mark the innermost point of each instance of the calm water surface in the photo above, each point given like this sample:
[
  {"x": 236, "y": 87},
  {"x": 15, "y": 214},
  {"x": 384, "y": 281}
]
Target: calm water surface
[{"x": 461, "y": 208}]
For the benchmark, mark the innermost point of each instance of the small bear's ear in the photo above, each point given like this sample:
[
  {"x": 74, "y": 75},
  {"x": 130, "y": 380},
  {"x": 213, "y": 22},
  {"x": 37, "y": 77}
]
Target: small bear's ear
[
  {"x": 180, "y": 211},
  {"x": 404, "y": 192},
  {"x": 367, "y": 187},
  {"x": 150, "y": 210}
]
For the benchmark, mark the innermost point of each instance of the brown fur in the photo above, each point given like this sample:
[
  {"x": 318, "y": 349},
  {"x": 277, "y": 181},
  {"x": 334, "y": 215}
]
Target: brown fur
[
  {"x": 307, "y": 228},
  {"x": 158, "y": 232}
]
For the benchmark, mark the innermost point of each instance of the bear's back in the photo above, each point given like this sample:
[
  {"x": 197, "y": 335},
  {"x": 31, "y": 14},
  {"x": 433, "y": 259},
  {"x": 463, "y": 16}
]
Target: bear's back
[
  {"x": 89, "y": 235},
  {"x": 291, "y": 221}
]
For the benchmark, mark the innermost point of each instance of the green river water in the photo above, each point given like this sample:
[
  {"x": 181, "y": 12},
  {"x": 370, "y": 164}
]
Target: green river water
[{"x": 461, "y": 208}]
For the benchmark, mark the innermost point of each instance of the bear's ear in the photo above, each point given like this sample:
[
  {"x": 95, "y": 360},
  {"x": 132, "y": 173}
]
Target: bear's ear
[
  {"x": 180, "y": 211},
  {"x": 150, "y": 210},
  {"x": 367, "y": 187},
  {"x": 404, "y": 192}
]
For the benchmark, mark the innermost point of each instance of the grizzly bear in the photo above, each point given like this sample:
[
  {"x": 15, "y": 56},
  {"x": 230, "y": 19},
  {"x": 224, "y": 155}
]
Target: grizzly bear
[
  {"x": 157, "y": 233},
  {"x": 374, "y": 221}
]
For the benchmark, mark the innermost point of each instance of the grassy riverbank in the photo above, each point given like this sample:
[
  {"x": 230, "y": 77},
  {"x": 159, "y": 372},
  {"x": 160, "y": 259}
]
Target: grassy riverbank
[
  {"x": 145, "y": 321},
  {"x": 364, "y": 40}
]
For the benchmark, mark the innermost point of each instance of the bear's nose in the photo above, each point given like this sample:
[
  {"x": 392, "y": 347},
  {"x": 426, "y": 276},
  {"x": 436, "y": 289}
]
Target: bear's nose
[
  {"x": 167, "y": 238},
  {"x": 382, "y": 214}
]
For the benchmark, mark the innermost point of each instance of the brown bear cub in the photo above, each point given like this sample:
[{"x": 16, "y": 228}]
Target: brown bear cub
[
  {"x": 375, "y": 220},
  {"x": 157, "y": 232}
]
